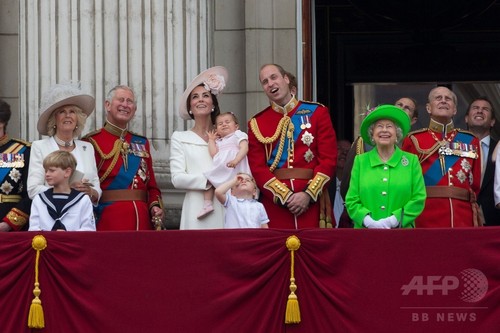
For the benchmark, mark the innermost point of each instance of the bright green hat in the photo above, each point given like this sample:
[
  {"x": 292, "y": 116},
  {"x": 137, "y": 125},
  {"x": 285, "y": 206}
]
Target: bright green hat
[{"x": 389, "y": 112}]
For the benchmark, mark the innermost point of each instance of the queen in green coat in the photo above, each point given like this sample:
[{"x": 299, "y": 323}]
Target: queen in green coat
[{"x": 387, "y": 187}]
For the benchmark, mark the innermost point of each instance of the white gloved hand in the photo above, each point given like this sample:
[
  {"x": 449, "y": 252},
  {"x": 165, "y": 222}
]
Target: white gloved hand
[
  {"x": 370, "y": 223},
  {"x": 389, "y": 222}
]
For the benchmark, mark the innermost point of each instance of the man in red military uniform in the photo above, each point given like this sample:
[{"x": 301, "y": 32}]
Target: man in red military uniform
[
  {"x": 130, "y": 200},
  {"x": 451, "y": 164},
  {"x": 292, "y": 154}
]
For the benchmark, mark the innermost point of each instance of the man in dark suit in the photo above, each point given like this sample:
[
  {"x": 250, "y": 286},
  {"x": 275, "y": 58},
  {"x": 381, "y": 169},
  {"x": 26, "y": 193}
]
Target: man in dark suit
[{"x": 480, "y": 118}]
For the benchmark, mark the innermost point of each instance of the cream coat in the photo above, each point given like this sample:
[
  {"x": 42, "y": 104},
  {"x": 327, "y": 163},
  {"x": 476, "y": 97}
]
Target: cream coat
[
  {"x": 83, "y": 152},
  {"x": 189, "y": 158}
]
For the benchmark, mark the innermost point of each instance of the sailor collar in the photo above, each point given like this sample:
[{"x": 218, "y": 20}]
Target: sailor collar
[
  {"x": 287, "y": 108},
  {"x": 115, "y": 130},
  {"x": 441, "y": 128}
]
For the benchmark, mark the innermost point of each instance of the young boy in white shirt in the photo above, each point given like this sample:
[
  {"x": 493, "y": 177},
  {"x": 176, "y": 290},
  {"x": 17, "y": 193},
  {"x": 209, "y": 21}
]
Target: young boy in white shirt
[
  {"x": 61, "y": 208},
  {"x": 242, "y": 209}
]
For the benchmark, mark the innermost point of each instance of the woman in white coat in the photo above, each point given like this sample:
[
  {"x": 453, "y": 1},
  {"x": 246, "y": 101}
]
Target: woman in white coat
[
  {"x": 189, "y": 155},
  {"x": 63, "y": 112}
]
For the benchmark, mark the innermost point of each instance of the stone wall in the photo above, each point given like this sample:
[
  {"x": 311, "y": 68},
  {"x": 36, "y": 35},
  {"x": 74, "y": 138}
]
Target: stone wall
[{"x": 177, "y": 39}]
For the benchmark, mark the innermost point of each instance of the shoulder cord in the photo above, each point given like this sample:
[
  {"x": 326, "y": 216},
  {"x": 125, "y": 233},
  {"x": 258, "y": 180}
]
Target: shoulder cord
[
  {"x": 424, "y": 154},
  {"x": 281, "y": 130},
  {"x": 115, "y": 153}
]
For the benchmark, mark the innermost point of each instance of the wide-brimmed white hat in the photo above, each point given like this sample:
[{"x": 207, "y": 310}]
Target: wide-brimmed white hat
[
  {"x": 59, "y": 95},
  {"x": 214, "y": 79}
]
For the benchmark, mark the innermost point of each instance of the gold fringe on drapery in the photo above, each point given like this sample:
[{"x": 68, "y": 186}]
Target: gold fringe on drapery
[
  {"x": 292, "y": 315},
  {"x": 36, "y": 318}
]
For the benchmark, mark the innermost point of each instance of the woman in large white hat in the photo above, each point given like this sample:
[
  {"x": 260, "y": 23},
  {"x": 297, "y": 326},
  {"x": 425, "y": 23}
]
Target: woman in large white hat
[
  {"x": 63, "y": 111},
  {"x": 189, "y": 155}
]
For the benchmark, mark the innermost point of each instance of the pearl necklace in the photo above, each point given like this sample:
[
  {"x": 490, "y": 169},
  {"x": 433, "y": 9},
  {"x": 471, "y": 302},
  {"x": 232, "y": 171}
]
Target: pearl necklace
[{"x": 63, "y": 143}]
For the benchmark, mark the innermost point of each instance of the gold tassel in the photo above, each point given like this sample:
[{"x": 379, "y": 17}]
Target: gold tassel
[
  {"x": 292, "y": 315},
  {"x": 328, "y": 209},
  {"x": 35, "y": 317},
  {"x": 322, "y": 215}
]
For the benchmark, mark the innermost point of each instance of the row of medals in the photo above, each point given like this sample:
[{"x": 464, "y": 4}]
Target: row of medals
[
  {"x": 12, "y": 161},
  {"x": 458, "y": 149}
]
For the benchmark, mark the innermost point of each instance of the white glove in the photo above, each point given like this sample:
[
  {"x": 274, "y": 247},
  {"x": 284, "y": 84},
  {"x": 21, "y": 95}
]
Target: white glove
[
  {"x": 389, "y": 222},
  {"x": 370, "y": 223}
]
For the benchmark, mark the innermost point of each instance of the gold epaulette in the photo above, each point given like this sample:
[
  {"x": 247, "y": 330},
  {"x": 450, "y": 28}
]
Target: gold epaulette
[
  {"x": 97, "y": 131},
  {"x": 136, "y": 134},
  {"x": 26, "y": 143},
  {"x": 316, "y": 185},
  {"x": 420, "y": 130},
  {"x": 465, "y": 131},
  {"x": 280, "y": 191},
  {"x": 312, "y": 102}
]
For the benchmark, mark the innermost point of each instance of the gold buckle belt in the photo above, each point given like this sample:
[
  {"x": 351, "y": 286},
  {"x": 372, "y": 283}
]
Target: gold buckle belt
[
  {"x": 124, "y": 195},
  {"x": 10, "y": 198},
  {"x": 449, "y": 192},
  {"x": 293, "y": 173}
]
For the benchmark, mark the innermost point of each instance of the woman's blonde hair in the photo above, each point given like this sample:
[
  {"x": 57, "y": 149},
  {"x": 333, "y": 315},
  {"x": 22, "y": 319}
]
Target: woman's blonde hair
[{"x": 81, "y": 117}]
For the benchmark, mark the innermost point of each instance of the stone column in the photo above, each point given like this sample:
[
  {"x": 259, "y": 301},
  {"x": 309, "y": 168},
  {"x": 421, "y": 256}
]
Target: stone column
[{"x": 154, "y": 46}]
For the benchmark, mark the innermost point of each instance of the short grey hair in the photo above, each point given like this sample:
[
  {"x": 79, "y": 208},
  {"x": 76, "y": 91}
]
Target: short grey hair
[
  {"x": 399, "y": 132},
  {"x": 113, "y": 90}
]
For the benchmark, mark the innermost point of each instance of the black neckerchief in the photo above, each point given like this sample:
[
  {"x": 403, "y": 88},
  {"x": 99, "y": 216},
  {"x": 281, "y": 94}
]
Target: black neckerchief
[{"x": 55, "y": 210}]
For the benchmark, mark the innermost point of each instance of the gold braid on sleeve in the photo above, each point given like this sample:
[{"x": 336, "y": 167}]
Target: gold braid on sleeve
[
  {"x": 17, "y": 217},
  {"x": 280, "y": 191},
  {"x": 316, "y": 185}
]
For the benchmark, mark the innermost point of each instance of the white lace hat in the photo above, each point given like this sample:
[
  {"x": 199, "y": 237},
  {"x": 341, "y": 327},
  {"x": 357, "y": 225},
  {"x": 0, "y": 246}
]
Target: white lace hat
[{"x": 59, "y": 95}]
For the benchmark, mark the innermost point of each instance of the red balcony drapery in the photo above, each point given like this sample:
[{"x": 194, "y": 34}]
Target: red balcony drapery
[{"x": 238, "y": 281}]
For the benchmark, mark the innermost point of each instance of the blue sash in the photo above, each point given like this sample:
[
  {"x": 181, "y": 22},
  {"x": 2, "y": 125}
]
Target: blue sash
[
  {"x": 296, "y": 120},
  {"x": 124, "y": 177},
  {"x": 433, "y": 175}
]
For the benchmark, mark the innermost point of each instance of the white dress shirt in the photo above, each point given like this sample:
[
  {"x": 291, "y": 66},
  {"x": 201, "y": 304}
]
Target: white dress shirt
[
  {"x": 338, "y": 203},
  {"x": 496, "y": 186}
]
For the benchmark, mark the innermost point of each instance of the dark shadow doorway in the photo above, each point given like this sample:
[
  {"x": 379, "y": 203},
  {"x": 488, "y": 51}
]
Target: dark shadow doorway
[{"x": 453, "y": 43}]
